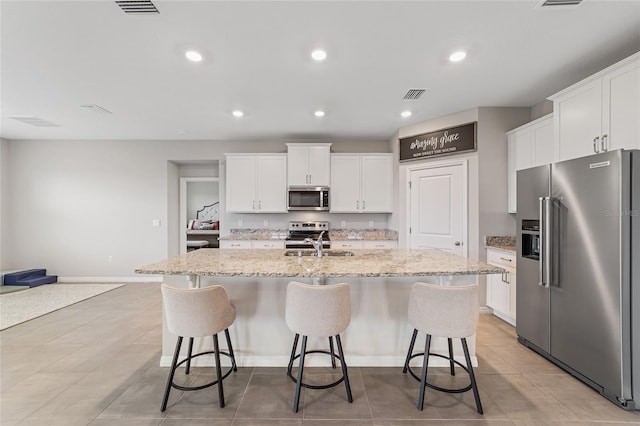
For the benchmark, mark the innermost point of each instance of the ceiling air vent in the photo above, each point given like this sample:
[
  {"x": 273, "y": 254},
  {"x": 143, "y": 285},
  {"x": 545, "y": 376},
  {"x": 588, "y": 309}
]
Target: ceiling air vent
[
  {"x": 414, "y": 93},
  {"x": 95, "y": 108},
  {"x": 137, "y": 7},
  {"x": 556, "y": 3},
  {"x": 34, "y": 121}
]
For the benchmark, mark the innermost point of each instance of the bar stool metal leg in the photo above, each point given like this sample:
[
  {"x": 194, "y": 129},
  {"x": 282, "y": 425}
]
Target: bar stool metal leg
[
  {"x": 423, "y": 377},
  {"x": 343, "y": 364},
  {"x": 296, "y": 398},
  {"x": 333, "y": 354},
  {"x": 410, "y": 352},
  {"x": 176, "y": 353},
  {"x": 189, "y": 352},
  {"x": 216, "y": 350},
  {"x": 451, "y": 364},
  {"x": 467, "y": 358},
  {"x": 231, "y": 354}
]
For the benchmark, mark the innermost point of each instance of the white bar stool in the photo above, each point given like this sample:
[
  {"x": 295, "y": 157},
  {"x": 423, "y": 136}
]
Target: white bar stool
[
  {"x": 198, "y": 312},
  {"x": 450, "y": 312},
  {"x": 317, "y": 311}
]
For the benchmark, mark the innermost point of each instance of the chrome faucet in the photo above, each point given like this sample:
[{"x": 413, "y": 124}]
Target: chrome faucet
[{"x": 317, "y": 244}]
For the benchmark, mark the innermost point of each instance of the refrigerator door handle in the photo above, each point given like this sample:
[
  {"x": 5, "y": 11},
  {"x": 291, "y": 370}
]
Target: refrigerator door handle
[
  {"x": 543, "y": 248},
  {"x": 548, "y": 240}
]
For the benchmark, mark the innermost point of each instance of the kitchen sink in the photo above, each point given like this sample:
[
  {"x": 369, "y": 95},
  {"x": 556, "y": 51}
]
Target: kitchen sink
[{"x": 330, "y": 253}]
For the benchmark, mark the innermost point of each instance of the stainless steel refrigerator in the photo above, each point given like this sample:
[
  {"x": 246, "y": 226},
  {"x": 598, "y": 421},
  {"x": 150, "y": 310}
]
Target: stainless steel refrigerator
[{"x": 578, "y": 269}]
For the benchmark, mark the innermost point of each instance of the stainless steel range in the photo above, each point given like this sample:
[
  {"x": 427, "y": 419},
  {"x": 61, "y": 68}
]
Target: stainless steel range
[{"x": 299, "y": 231}]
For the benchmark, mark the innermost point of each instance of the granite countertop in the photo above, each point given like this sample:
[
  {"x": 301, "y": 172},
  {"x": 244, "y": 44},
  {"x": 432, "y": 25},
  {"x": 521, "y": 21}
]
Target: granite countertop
[
  {"x": 273, "y": 263},
  {"x": 334, "y": 234},
  {"x": 502, "y": 243}
]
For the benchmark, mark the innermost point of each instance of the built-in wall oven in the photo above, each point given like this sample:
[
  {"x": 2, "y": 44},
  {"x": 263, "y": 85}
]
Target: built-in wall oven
[{"x": 308, "y": 198}]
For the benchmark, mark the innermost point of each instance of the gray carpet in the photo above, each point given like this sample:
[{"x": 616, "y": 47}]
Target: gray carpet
[{"x": 21, "y": 306}]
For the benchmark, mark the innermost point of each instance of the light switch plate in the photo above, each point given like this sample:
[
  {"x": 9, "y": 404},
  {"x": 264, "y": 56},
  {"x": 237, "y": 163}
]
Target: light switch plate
[
  {"x": 266, "y": 223},
  {"x": 343, "y": 224},
  {"x": 370, "y": 224},
  {"x": 155, "y": 223},
  {"x": 239, "y": 222}
]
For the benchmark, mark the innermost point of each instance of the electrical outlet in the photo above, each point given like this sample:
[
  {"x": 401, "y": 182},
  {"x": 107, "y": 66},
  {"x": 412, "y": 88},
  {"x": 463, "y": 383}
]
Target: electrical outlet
[
  {"x": 110, "y": 259},
  {"x": 266, "y": 223},
  {"x": 239, "y": 222},
  {"x": 370, "y": 224},
  {"x": 343, "y": 224}
]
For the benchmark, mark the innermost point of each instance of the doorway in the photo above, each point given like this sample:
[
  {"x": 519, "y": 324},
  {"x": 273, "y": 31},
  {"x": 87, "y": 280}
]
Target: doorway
[
  {"x": 437, "y": 211},
  {"x": 197, "y": 193}
]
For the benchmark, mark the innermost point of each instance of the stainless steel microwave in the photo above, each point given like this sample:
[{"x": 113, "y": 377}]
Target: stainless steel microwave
[{"x": 308, "y": 198}]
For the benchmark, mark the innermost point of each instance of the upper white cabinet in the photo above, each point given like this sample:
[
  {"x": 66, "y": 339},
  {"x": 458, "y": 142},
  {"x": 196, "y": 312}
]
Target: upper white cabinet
[
  {"x": 528, "y": 146},
  {"x": 309, "y": 164},
  {"x": 599, "y": 113},
  {"x": 256, "y": 183},
  {"x": 361, "y": 183}
]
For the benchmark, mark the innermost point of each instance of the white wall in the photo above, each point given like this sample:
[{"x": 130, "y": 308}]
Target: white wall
[
  {"x": 4, "y": 202},
  {"x": 73, "y": 204}
]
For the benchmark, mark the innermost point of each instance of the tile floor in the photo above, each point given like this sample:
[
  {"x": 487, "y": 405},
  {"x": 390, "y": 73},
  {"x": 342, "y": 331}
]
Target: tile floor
[{"x": 95, "y": 363}]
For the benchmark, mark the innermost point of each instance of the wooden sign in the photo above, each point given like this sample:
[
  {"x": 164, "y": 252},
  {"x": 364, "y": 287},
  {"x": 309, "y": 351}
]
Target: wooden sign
[{"x": 453, "y": 140}]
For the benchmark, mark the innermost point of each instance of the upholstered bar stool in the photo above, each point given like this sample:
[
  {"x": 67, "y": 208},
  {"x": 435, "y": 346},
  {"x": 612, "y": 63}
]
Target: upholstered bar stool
[
  {"x": 198, "y": 312},
  {"x": 443, "y": 311},
  {"x": 317, "y": 311}
]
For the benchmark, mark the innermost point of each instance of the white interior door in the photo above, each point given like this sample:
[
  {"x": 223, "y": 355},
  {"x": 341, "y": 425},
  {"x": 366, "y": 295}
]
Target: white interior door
[{"x": 438, "y": 206}]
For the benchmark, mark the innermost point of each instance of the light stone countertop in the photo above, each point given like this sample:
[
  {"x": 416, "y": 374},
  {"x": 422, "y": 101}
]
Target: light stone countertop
[
  {"x": 273, "y": 263},
  {"x": 373, "y": 234},
  {"x": 505, "y": 243}
]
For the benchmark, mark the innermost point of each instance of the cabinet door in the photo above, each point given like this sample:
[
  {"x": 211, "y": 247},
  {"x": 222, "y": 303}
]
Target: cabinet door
[
  {"x": 267, "y": 244},
  {"x": 235, "y": 244},
  {"x": 319, "y": 165},
  {"x": 297, "y": 165},
  {"x": 500, "y": 300},
  {"x": 272, "y": 184},
  {"x": 241, "y": 183},
  {"x": 345, "y": 183},
  {"x": 376, "y": 184},
  {"x": 621, "y": 107},
  {"x": 519, "y": 158},
  {"x": 578, "y": 120},
  {"x": 542, "y": 149},
  {"x": 512, "y": 293}
]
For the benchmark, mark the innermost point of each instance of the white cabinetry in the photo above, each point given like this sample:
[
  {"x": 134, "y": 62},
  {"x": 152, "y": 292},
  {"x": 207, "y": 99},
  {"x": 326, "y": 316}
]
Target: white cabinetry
[
  {"x": 501, "y": 289},
  {"x": 257, "y": 183},
  {"x": 366, "y": 244},
  {"x": 599, "y": 113},
  {"x": 528, "y": 146},
  {"x": 251, "y": 244},
  {"x": 361, "y": 183},
  {"x": 308, "y": 165}
]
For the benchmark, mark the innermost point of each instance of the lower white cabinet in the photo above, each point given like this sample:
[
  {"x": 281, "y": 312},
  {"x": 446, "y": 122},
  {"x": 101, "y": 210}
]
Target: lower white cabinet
[
  {"x": 501, "y": 289},
  {"x": 252, "y": 244},
  {"x": 366, "y": 244}
]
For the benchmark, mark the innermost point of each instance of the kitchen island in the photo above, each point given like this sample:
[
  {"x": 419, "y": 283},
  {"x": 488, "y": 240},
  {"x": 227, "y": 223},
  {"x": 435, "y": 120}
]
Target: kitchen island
[{"x": 380, "y": 281}]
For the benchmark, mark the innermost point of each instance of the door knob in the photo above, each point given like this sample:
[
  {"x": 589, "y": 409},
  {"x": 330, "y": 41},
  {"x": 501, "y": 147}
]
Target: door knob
[{"x": 457, "y": 243}]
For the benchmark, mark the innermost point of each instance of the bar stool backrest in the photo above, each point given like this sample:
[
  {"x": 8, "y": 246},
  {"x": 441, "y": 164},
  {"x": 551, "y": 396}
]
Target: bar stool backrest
[
  {"x": 444, "y": 311},
  {"x": 197, "y": 312},
  {"x": 318, "y": 310}
]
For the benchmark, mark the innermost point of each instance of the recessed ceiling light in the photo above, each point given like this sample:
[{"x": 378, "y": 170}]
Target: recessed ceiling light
[
  {"x": 458, "y": 56},
  {"x": 319, "y": 113},
  {"x": 319, "y": 55},
  {"x": 193, "y": 56},
  {"x": 405, "y": 114},
  {"x": 237, "y": 113}
]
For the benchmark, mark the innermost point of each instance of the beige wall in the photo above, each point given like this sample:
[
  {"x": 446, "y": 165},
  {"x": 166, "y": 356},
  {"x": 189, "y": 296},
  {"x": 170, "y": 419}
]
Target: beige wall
[
  {"x": 75, "y": 203},
  {"x": 4, "y": 202}
]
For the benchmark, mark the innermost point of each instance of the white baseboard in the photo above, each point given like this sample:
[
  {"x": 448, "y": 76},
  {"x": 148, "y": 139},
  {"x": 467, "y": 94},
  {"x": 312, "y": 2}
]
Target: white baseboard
[
  {"x": 145, "y": 279},
  {"x": 485, "y": 310},
  {"x": 283, "y": 361}
]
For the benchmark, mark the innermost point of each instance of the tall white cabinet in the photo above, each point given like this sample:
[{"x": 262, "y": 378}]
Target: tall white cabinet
[
  {"x": 309, "y": 164},
  {"x": 599, "y": 113},
  {"x": 361, "y": 183},
  {"x": 256, "y": 183},
  {"x": 528, "y": 146}
]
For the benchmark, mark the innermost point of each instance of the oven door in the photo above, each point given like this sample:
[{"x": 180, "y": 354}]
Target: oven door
[{"x": 316, "y": 198}]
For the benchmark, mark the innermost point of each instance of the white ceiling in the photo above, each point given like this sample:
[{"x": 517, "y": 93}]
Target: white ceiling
[{"x": 58, "y": 55}]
